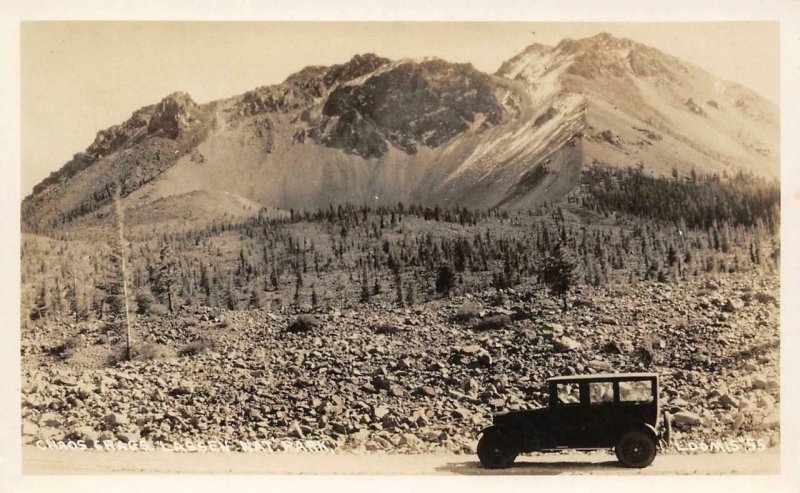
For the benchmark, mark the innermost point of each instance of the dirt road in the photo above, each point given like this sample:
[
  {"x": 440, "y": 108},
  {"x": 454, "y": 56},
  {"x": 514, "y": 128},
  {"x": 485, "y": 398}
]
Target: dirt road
[{"x": 36, "y": 461}]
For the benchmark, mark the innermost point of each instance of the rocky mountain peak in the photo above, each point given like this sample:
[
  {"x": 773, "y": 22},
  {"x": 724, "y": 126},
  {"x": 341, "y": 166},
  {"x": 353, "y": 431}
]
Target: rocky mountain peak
[
  {"x": 173, "y": 114},
  {"x": 315, "y": 80},
  {"x": 301, "y": 89},
  {"x": 602, "y": 55},
  {"x": 411, "y": 103},
  {"x": 356, "y": 67},
  {"x": 598, "y": 42}
]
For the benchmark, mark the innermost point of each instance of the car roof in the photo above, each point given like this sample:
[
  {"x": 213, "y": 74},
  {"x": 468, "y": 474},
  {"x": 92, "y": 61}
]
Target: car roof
[{"x": 603, "y": 376}]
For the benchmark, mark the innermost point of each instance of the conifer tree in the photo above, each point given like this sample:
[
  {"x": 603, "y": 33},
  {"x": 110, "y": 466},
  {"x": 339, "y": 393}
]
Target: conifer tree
[
  {"x": 166, "y": 277},
  {"x": 445, "y": 280},
  {"x": 411, "y": 295},
  {"x": 672, "y": 255},
  {"x": 39, "y": 305},
  {"x": 365, "y": 293},
  {"x": 398, "y": 283},
  {"x": 314, "y": 297},
  {"x": 559, "y": 272}
]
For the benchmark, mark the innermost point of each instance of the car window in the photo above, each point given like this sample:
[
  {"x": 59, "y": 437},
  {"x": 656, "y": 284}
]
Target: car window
[
  {"x": 568, "y": 393},
  {"x": 601, "y": 393},
  {"x": 636, "y": 391}
]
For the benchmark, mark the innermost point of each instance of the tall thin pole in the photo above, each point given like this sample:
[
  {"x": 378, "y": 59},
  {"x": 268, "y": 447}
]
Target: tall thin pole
[{"x": 120, "y": 223}]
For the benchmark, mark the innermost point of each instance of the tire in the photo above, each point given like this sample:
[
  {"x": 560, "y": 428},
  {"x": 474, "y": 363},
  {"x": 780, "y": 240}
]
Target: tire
[
  {"x": 496, "y": 450},
  {"x": 636, "y": 449}
]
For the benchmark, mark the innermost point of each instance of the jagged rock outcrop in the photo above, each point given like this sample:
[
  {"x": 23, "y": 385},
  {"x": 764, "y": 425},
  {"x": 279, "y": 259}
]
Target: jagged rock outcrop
[
  {"x": 411, "y": 104},
  {"x": 174, "y": 114}
]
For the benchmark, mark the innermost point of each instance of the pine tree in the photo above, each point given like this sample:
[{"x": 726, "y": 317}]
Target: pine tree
[
  {"x": 672, "y": 255},
  {"x": 273, "y": 279},
  {"x": 460, "y": 260},
  {"x": 232, "y": 298},
  {"x": 298, "y": 284},
  {"x": 254, "y": 301},
  {"x": 411, "y": 295},
  {"x": 144, "y": 300},
  {"x": 166, "y": 277},
  {"x": 75, "y": 303},
  {"x": 445, "y": 280},
  {"x": 398, "y": 283},
  {"x": 205, "y": 281},
  {"x": 40, "y": 305},
  {"x": 365, "y": 293},
  {"x": 110, "y": 285},
  {"x": 314, "y": 297},
  {"x": 559, "y": 272}
]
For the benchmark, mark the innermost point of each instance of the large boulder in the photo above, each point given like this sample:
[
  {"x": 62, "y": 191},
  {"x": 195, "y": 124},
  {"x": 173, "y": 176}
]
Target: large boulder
[
  {"x": 51, "y": 420},
  {"x": 728, "y": 401},
  {"x": 89, "y": 435},
  {"x": 117, "y": 419},
  {"x": 129, "y": 436},
  {"x": 686, "y": 419},
  {"x": 304, "y": 323},
  {"x": 380, "y": 412},
  {"x": 759, "y": 382},
  {"x": 85, "y": 390},
  {"x": 771, "y": 421},
  {"x": 732, "y": 306},
  {"x": 29, "y": 429},
  {"x": 599, "y": 365},
  {"x": 566, "y": 344}
]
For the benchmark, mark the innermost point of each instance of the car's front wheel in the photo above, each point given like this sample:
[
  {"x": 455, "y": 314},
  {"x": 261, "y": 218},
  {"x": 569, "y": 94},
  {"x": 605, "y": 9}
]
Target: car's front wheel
[
  {"x": 496, "y": 449},
  {"x": 636, "y": 449}
]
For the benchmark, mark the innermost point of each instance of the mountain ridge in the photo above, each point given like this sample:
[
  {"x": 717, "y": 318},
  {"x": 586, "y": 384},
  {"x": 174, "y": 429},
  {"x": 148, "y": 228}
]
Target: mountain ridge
[{"x": 378, "y": 131}]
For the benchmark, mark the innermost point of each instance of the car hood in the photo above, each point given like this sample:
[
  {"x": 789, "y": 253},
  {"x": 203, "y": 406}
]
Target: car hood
[{"x": 511, "y": 417}]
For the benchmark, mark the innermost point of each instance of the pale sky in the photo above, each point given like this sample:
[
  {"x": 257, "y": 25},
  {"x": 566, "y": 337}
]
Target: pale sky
[{"x": 81, "y": 77}]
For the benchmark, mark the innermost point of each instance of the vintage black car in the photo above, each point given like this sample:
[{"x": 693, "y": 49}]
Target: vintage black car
[{"x": 585, "y": 412}]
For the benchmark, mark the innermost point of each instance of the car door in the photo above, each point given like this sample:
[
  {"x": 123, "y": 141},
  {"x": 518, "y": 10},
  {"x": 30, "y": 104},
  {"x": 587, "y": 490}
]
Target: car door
[
  {"x": 637, "y": 402},
  {"x": 600, "y": 416},
  {"x": 566, "y": 413}
]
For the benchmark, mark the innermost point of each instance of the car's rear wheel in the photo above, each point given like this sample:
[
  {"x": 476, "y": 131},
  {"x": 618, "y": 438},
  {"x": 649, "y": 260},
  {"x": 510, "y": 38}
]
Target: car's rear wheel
[
  {"x": 636, "y": 449},
  {"x": 496, "y": 449}
]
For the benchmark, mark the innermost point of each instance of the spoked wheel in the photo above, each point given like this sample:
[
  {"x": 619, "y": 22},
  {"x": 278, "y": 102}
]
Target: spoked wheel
[
  {"x": 496, "y": 450},
  {"x": 636, "y": 449}
]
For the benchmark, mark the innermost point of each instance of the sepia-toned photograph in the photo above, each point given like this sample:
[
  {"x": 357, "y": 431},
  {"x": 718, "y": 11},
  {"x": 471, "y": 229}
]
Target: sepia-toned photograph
[{"x": 400, "y": 248}]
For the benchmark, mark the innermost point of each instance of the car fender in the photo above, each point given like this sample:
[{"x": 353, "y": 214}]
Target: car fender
[
  {"x": 494, "y": 427},
  {"x": 652, "y": 431},
  {"x": 649, "y": 429}
]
